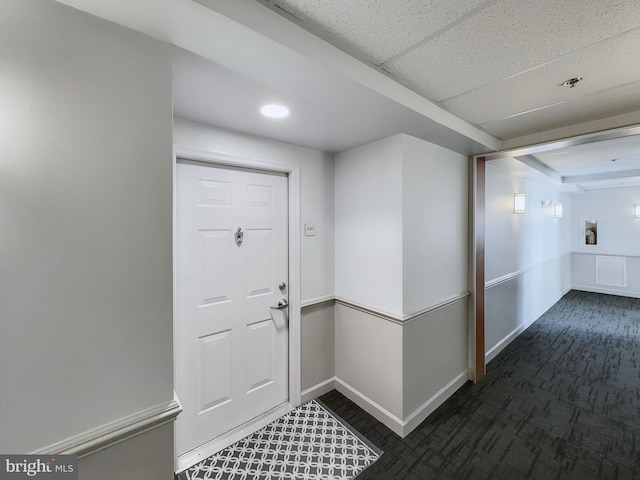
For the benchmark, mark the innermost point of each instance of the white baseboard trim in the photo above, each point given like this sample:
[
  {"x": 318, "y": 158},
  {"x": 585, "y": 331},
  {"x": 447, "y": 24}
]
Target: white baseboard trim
[
  {"x": 608, "y": 291},
  {"x": 318, "y": 390},
  {"x": 380, "y": 413},
  {"x": 190, "y": 458},
  {"x": 115, "y": 432},
  {"x": 400, "y": 427},
  {"x": 428, "y": 407}
]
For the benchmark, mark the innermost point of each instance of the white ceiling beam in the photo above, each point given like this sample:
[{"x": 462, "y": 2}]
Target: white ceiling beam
[
  {"x": 594, "y": 177},
  {"x": 536, "y": 164}
]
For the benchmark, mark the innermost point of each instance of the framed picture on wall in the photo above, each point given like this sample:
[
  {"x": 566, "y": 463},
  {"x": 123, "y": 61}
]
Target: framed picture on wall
[{"x": 590, "y": 233}]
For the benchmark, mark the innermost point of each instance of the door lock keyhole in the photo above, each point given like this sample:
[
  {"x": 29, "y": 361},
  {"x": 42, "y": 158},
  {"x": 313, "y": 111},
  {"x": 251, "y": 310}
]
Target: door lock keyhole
[{"x": 239, "y": 236}]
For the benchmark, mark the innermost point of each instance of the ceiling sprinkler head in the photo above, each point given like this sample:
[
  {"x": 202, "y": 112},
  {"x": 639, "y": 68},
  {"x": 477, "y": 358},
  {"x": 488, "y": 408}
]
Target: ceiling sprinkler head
[{"x": 571, "y": 82}]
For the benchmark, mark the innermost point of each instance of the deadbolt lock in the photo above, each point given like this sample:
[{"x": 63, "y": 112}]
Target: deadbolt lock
[{"x": 239, "y": 236}]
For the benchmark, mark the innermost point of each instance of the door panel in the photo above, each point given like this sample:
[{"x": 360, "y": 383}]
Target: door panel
[
  {"x": 260, "y": 355},
  {"x": 259, "y": 276},
  {"x": 214, "y": 371},
  {"x": 215, "y": 193},
  {"x": 214, "y": 266},
  {"x": 231, "y": 360},
  {"x": 259, "y": 196}
]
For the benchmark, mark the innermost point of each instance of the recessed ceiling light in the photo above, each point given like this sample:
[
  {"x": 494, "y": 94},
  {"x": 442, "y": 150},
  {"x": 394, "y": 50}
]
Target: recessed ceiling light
[
  {"x": 274, "y": 111},
  {"x": 571, "y": 82}
]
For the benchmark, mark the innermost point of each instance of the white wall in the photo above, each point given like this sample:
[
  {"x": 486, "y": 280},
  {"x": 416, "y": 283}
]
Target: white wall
[
  {"x": 435, "y": 224},
  {"x": 527, "y": 256},
  {"x": 618, "y": 235},
  {"x": 85, "y": 227},
  {"x": 519, "y": 241},
  {"x": 618, "y": 229},
  {"x": 368, "y": 196}
]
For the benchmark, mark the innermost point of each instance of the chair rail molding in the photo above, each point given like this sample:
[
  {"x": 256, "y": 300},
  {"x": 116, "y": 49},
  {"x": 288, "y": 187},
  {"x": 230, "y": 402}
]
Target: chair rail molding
[
  {"x": 115, "y": 432},
  {"x": 407, "y": 318}
]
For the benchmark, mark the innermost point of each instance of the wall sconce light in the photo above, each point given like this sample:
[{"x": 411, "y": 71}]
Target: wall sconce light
[
  {"x": 637, "y": 211},
  {"x": 557, "y": 210},
  {"x": 546, "y": 203},
  {"x": 519, "y": 202}
]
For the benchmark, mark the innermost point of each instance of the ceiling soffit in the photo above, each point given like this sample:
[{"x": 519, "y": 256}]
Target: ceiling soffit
[{"x": 495, "y": 63}]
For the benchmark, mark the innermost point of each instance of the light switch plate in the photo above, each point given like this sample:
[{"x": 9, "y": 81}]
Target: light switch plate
[{"x": 309, "y": 230}]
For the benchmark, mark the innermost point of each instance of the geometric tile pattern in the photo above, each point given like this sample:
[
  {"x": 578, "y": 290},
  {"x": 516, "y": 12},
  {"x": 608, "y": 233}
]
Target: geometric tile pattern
[
  {"x": 562, "y": 401},
  {"x": 307, "y": 443}
]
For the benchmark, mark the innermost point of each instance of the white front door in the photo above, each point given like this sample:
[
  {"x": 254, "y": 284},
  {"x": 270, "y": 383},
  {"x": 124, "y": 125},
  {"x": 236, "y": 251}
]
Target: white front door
[{"x": 232, "y": 347}]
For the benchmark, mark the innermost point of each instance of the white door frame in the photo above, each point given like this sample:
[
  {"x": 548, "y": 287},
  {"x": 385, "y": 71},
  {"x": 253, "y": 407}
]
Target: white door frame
[{"x": 293, "y": 180}]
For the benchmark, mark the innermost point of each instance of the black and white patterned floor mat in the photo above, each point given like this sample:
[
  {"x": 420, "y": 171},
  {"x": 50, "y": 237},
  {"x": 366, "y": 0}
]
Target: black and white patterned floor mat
[{"x": 309, "y": 443}]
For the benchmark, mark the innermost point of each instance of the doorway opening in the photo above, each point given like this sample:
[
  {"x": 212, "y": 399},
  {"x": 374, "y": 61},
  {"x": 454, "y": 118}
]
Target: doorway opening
[{"x": 531, "y": 157}]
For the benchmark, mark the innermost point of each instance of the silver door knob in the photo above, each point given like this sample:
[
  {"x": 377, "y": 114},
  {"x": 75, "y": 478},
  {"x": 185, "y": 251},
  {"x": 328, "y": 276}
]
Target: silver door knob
[{"x": 282, "y": 286}]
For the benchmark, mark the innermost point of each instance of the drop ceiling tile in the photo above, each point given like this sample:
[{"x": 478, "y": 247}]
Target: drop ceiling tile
[
  {"x": 378, "y": 30},
  {"x": 608, "y": 64},
  {"x": 612, "y": 102},
  {"x": 508, "y": 37}
]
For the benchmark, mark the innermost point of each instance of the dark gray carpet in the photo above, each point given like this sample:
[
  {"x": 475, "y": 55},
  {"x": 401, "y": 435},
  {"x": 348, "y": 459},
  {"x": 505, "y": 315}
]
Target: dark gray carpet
[{"x": 562, "y": 401}]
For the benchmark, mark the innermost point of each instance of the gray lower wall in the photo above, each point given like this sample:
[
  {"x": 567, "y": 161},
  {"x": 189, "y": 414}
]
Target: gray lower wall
[
  {"x": 369, "y": 359},
  {"x": 515, "y": 301},
  {"x": 401, "y": 372},
  {"x": 317, "y": 345},
  {"x": 503, "y": 313},
  {"x": 583, "y": 275},
  {"x": 145, "y": 456},
  {"x": 435, "y": 354}
]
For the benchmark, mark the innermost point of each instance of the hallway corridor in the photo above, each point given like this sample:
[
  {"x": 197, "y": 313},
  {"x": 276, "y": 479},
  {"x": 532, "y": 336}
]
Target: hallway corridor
[{"x": 562, "y": 401}]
